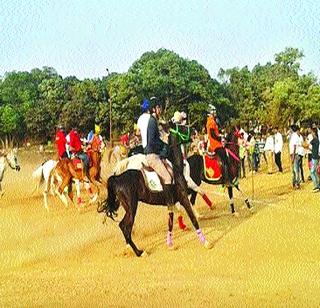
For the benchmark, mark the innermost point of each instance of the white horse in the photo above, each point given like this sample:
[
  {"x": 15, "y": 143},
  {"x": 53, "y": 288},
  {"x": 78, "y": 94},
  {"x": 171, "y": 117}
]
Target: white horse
[{"x": 8, "y": 157}]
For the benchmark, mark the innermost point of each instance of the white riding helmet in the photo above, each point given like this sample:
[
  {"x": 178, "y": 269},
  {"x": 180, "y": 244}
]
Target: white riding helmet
[
  {"x": 211, "y": 109},
  {"x": 176, "y": 117}
]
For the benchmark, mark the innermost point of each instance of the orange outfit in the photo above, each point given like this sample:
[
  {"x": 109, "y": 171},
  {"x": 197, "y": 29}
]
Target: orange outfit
[{"x": 213, "y": 143}]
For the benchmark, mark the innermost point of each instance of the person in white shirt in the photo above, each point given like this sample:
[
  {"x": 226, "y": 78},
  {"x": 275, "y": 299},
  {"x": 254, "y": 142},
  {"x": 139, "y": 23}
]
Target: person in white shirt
[
  {"x": 143, "y": 121},
  {"x": 278, "y": 145},
  {"x": 269, "y": 150},
  {"x": 294, "y": 143},
  {"x": 301, "y": 153},
  {"x": 308, "y": 151}
]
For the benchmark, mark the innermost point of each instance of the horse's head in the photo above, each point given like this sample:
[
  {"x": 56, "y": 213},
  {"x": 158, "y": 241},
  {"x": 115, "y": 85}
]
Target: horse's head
[
  {"x": 179, "y": 134},
  {"x": 12, "y": 159}
]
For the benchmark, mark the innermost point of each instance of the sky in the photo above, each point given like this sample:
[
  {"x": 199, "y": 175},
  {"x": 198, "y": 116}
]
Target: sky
[{"x": 84, "y": 37}]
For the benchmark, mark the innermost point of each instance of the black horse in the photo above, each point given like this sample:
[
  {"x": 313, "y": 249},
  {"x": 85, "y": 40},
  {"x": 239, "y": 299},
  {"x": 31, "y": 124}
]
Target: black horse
[
  {"x": 197, "y": 172},
  {"x": 128, "y": 188}
]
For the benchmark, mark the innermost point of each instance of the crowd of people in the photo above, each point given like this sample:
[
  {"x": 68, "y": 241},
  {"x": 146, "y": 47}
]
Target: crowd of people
[{"x": 255, "y": 144}]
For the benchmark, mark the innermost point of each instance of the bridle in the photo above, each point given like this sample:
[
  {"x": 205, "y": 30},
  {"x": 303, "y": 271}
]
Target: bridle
[{"x": 17, "y": 166}]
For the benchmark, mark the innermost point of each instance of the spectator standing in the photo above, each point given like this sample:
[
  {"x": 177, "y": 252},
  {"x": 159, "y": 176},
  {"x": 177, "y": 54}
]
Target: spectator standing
[
  {"x": 314, "y": 146},
  {"x": 269, "y": 149},
  {"x": 261, "y": 143},
  {"x": 308, "y": 151},
  {"x": 294, "y": 143},
  {"x": 301, "y": 152},
  {"x": 278, "y": 145}
]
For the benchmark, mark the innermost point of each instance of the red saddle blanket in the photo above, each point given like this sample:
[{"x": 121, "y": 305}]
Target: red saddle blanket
[
  {"x": 77, "y": 163},
  {"x": 212, "y": 167}
]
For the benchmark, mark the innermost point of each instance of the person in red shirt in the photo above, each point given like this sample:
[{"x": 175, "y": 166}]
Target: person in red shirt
[
  {"x": 75, "y": 147},
  {"x": 124, "y": 139},
  {"x": 215, "y": 144},
  {"x": 61, "y": 141}
]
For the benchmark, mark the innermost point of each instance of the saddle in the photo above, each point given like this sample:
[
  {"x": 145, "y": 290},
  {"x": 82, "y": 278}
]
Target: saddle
[
  {"x": 77, "y": 163},
  {"x": 139, "y": 162},
  {"x": 151, "y": 178},
  {"x": 212, "y": 166}
]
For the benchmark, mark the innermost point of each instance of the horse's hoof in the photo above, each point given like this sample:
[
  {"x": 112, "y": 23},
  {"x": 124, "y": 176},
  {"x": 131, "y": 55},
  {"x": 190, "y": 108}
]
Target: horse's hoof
[
  {"x": 236, "y": 214},
  {"x": 144, "y": 254},
  {"x": 208, "y": 245},
  {"x": 252, "y": 210}
]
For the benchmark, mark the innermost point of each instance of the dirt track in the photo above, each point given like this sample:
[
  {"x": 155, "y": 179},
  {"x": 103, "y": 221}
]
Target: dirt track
[{"x": 270, "y": 258}]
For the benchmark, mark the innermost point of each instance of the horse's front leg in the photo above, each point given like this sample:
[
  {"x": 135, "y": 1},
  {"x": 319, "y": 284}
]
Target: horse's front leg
[
  {"x": 230, "y": 194},
  {"x": 170, "y": 228},
  {"x": 64, "y": 184},
  {"x": 184, "y": 201},
  {"x": 246, "y": 199}
]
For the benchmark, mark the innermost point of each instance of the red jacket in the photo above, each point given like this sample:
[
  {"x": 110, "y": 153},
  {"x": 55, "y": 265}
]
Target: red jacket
[
  {"x": 213, "y": 142},
  {"x": 124, "y": 139},
  {"x": 75, "y": 142},
  {"x": 61, "y": 142}
]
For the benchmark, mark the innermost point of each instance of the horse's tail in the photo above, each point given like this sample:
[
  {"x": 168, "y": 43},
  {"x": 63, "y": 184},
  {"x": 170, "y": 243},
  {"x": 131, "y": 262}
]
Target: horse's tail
[
  {"x": 38, "y": 177},
  {"x": 111, "y": 204}
]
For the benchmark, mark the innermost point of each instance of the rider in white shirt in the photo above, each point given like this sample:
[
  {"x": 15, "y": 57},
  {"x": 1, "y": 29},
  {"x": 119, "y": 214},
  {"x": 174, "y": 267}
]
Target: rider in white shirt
[{"x": 143, "y": 122}]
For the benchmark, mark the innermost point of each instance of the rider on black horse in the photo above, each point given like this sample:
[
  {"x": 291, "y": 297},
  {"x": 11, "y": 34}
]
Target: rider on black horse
[{"x": 215, "y": 144}]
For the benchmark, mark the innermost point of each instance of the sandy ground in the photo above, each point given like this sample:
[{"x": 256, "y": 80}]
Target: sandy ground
[{"x": 69, "y": 258}]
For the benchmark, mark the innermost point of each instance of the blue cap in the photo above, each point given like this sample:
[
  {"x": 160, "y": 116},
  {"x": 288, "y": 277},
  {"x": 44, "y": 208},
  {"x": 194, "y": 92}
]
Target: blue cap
[{"x": 145, "y": 105}]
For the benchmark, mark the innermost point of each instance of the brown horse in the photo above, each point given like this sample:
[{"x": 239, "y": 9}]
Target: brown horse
[{"x": 68, "y": 169}]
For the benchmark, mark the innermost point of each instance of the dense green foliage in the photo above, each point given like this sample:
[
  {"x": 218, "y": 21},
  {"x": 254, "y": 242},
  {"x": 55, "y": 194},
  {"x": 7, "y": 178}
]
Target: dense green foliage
[{"x": 33, "y": 103}]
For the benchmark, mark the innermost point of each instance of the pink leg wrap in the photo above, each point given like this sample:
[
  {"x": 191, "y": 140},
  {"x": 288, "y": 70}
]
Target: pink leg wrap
[
  {"x": 169, "y": 239},
  {"x": 201, "y": 236}
]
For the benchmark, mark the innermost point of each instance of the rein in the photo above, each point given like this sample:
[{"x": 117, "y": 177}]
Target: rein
[
  {"x": 234, "y": 156},
  {"x": 183, "y": 137}
]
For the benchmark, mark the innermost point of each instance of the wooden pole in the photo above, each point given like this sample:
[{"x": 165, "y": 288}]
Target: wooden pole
[{"x": 110, "y": 111}]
